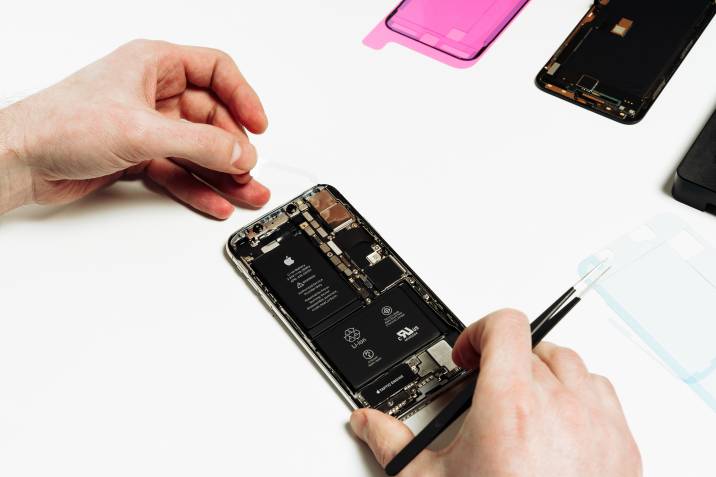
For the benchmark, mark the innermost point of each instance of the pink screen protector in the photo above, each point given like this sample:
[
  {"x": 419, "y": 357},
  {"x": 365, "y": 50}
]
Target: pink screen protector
[{"x": 455, "y": 32}]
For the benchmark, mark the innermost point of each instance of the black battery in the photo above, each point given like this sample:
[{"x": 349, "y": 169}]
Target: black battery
[{"x": 369, "y": 342}]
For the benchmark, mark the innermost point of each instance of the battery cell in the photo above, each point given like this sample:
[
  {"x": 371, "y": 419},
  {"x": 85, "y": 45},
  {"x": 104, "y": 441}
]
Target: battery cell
[
  {"x": 305, "y": 282},
  {"x": 372, "y": 340}
]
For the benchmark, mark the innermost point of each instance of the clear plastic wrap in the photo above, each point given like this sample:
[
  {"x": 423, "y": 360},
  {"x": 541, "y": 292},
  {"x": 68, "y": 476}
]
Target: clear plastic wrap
[{"x": 663, "y": 286}]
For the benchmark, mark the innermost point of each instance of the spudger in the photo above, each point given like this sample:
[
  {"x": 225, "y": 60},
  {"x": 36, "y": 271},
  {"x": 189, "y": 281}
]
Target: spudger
[{"x": 539, "y": 328}]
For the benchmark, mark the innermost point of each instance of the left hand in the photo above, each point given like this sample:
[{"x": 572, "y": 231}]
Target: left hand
[{"x": 175, "y": 115}]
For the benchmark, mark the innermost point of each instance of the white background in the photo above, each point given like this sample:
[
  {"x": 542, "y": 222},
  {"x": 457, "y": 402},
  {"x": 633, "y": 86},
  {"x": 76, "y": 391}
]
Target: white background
[{"x": 128, "y": 344}]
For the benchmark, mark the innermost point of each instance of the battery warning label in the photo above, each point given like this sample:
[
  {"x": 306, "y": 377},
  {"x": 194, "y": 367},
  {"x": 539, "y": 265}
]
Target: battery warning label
[
  {"x": 304, "y": 281},
  {"x": 314, "y": 290}
]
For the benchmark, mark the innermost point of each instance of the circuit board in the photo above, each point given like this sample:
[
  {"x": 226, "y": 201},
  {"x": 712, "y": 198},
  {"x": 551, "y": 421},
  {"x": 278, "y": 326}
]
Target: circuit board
[{"x": 374, "y": 328}]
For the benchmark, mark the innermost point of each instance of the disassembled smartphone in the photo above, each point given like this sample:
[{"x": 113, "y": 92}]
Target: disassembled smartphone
[
  {"x": 620, "y": 56},
  {"x": 379, "y": 334}
]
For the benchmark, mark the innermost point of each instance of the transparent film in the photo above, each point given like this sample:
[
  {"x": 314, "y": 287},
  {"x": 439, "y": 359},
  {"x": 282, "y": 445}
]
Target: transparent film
[{"x": 662, "y": 283}]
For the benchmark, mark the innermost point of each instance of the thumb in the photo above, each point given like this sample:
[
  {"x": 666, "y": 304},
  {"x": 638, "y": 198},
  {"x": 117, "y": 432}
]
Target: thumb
[
  {"x": 386, "y": 436},
  {"x": 203, "y": 144},
  {"x": 499, "y": 345}
]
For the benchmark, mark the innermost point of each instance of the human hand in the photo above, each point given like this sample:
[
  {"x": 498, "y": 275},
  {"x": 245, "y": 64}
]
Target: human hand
[
  {"x": 149, "y": 109},
  {"x": 534, "y": 414}
]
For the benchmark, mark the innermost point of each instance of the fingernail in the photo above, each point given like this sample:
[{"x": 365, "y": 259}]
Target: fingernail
[
  {"x": 242, "y": 178},
  {"x": 236, "y": 157}
]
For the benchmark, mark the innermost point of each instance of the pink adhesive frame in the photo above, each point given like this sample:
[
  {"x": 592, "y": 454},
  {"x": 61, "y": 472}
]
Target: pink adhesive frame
[{"x": 455, "y": 32}]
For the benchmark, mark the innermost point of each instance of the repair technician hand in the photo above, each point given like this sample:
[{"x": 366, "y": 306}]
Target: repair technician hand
[
  {"x": 150, "y": 109},
  {"x": 535, "y": 414}
]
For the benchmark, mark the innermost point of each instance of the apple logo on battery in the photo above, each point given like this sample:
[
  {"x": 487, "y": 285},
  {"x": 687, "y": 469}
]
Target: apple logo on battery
[{"x": 288, "y": 261}]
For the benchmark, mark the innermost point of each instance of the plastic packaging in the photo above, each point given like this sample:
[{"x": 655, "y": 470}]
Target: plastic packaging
[{"x": 663, "y": 286}]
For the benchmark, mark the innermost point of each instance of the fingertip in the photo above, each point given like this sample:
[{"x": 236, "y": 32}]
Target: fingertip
[
  {"x": 247, "y": 110},
  {"x": 513, "y": 314},
  {"x": 243, "y": 158},
  {"x": 256, "y": 129},
  {"x": 457, "y": 357},
  {"x": 263, "y": 123},
  {"x": 544, "y": 347},
  {"x": 465, "y": 356},
  {"x": 384, "y": 434},
  {"x": 257, "y": 122},
  {"x": 254, "y": 194},
  {"x": 263, "y": 194},
  {"x": 214, "y": 205},
  {"x": 498, "y": 344},
  {"x": 504, "y": 342},
  {"x": 242, "y": 179},
  {"x": 508, "y": 322},
  {"x": 358, "y": 421},
  {"x": 182, "y": 185},
  {"x": 464, "y": 352},
  {"x": 224, "y": 211}
]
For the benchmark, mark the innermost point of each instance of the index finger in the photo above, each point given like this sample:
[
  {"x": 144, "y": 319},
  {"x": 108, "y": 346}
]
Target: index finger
[
  {"x": 499, "y": 344},
  {"x": 214, "y": 69}
]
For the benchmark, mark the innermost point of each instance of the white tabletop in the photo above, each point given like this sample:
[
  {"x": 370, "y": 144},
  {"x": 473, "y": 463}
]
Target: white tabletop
[{"x": 130, "y": 346}]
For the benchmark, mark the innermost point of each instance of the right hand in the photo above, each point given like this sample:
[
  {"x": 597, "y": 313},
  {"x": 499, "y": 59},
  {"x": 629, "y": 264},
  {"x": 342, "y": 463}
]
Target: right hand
[{"x": 536, "y": 414}]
